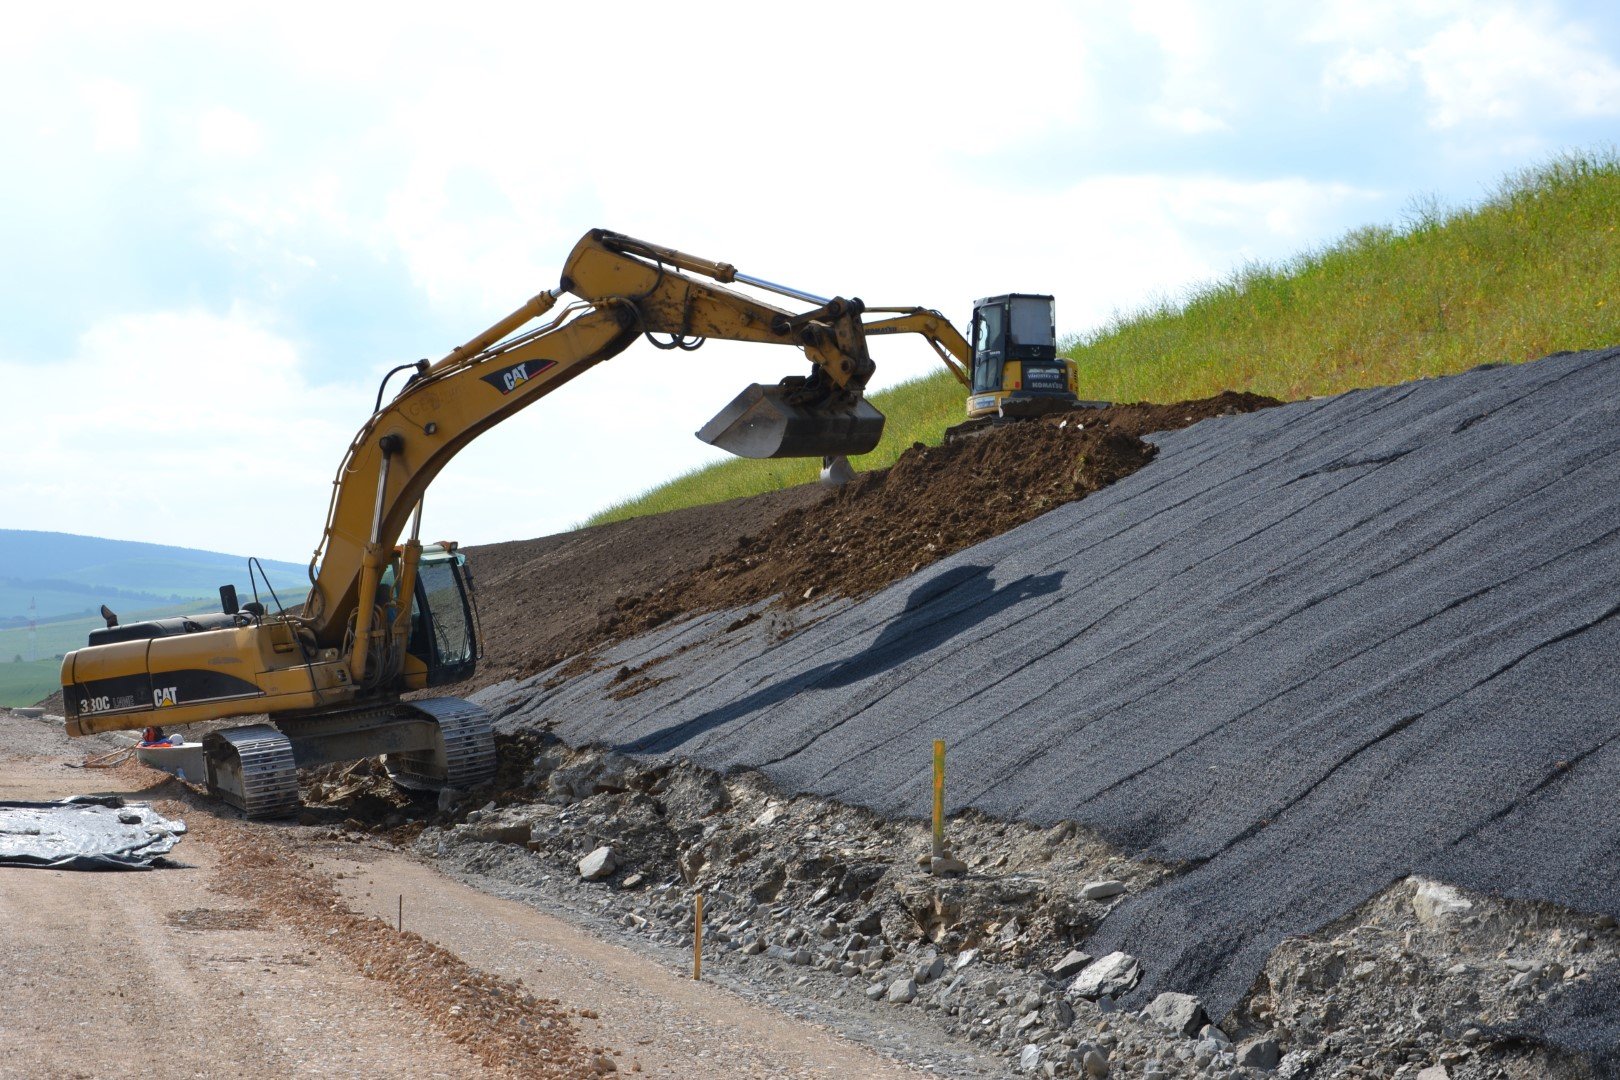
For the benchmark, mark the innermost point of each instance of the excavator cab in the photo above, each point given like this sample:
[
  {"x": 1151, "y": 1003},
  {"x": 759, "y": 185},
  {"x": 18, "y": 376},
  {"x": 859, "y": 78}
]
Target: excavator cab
[
  {"x": 1016, "y": 368},
  {"x": 443, "y": 627}
]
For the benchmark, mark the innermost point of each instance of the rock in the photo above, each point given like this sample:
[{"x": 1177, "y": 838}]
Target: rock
[
  {"x": 1070, "y": 964},
  {"x": 1259, "y": 1054},
  {"x": 1436, "y": 904},
  {"x": 902, "y": 991},
  {"x": 1029, "y": 1058},
  {"x": 1434, "y": 1072},
  {"x": 601, "y": 1064},
  {"x": 1215, "y": 1035},
  {"x": 946, "y": 866},
  {"x": 874, "y": 991},
  {"x": 1109, "y": 977},
  {"x": 1297, "y": 1064},
  {"x": 500, "y": 832},
  {"x": 1101, "y": 890},
  {"x": 1095, "y": 1064},
  {"x": 773, "y": 813},
  {"x": 1180, "y": 1013},
  {"x": 964, "y": 958},
  {"x": 1058, "y": 1013},
  {"x": 930, "y": 969},
  {"x": 598, "y": 864}
]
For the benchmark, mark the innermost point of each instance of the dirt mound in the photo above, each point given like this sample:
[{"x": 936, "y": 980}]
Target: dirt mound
[
  {"x": 535, "y": 596},
  {"x": 879, "y": 528}
]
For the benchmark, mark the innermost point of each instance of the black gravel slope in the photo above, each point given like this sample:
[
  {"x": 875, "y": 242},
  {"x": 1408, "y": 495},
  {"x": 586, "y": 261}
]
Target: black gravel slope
[{"x": 1306, "y": 652}]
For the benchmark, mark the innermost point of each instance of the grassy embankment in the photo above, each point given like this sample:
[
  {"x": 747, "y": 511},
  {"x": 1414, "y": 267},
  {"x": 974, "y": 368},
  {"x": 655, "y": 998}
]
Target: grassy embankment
[{"x": 1533, "y": 269}]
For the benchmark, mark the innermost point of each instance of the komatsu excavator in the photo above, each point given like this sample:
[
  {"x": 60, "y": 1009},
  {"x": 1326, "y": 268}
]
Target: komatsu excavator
[
  {"x": 383, "y": 617},
  {"x": 1012, "y": 369}
]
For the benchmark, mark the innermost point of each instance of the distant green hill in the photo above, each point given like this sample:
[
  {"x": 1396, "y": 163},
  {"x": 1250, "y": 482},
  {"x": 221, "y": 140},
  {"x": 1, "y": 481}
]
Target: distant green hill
[
  {"x": 67, "y": 576},
  {"x": 1533, "y": 269}
]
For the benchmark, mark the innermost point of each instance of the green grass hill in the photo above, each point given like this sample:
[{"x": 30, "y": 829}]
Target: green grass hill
[{"x": 1533, "y": 269}]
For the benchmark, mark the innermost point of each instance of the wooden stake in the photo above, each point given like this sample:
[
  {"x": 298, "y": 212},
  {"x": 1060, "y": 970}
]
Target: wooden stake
[
  {"x": 697, "y": 936},
  {"x": 939, "y": 798}
]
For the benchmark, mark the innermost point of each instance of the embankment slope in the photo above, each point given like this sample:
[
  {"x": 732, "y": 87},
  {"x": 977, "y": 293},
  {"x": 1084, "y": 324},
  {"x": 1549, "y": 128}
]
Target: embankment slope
[{"x": 1303, "y": 653}]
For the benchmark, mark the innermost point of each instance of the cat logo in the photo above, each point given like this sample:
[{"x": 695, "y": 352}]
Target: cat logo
[
  {"x": 164, "y": 697},
  {"x": 509, "y": 378}
]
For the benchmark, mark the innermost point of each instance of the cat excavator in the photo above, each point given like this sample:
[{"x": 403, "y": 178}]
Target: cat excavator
[{"x": 386, "y": 616}]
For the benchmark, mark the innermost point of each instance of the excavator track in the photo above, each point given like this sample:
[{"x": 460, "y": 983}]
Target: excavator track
[
  {"x": 252, "y": 768},
  {"x": 465, "y": 757}
]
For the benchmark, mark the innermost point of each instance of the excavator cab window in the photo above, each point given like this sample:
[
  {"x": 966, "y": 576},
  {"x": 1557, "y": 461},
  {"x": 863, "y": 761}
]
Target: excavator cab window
[
  {"x": 442, "y": 634},
  {"x": 1032, "y": 330}
]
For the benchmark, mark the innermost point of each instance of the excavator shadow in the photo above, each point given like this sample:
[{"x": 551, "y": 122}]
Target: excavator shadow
[{"x": 935, "y": 612}]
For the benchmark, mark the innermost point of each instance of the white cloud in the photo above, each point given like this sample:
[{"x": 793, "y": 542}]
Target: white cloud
[
  {"x": 223, "y": 132},
  {"x": 179, "y": 427},
  {"x": 114, "y": 114},
  {"x": 1359, "y": 69},
  {"x": 1500, "y": 64},
  {"x": 1506, "y": 65}
]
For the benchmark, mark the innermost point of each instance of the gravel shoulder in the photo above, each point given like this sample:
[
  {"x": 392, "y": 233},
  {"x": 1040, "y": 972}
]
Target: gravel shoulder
[
  {"x": 665, "y": 1023},
  {"x": 157, "y": 974},
  {"x": 271, "y": 952}
]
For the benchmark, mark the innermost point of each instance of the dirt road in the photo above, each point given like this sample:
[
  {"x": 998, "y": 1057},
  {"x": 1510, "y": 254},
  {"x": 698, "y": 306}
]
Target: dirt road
[{"x": 215, "y": 970}]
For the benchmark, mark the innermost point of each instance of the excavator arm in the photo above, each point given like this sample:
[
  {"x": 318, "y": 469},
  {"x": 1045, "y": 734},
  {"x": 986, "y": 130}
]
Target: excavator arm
[
  {"x": 625, "y": 289},
  {"x": 936, "y": 329}
]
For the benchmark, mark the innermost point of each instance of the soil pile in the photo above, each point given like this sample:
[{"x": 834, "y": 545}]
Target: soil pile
[
  {"x": 879, "y": 528},
  {"x": 536, "y": 596}
]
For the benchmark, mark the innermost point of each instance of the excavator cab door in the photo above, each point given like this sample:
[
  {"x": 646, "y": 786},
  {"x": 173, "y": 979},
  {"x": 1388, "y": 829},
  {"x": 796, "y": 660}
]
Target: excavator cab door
[{"x": 443, "y": 629}]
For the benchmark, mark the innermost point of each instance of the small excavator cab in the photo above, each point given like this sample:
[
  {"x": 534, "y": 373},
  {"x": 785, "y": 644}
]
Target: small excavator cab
[
  {"x": 1014, "y": 327},
  {"x": 443, "y": 634},
  {"x": 1016, "y": 368}
]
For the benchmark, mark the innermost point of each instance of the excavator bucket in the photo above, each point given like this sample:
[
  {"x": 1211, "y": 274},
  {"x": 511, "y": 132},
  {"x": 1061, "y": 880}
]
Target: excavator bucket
[{"x": 761, "y": 423}]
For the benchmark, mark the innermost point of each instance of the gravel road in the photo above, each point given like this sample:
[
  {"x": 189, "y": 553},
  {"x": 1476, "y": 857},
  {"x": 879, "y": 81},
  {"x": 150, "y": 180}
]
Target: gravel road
[{"x": 228, "y": 966}]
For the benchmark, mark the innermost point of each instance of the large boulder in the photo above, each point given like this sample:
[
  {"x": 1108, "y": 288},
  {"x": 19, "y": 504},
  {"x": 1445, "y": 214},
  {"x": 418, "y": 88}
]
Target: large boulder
[{"x": 1110, "y": 976}]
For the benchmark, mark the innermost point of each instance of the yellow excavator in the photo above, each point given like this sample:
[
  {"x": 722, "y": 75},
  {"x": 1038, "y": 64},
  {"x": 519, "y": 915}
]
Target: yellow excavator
[
  {"x": 383, "y": 617},
  {"x": 1011, "y": 369}
]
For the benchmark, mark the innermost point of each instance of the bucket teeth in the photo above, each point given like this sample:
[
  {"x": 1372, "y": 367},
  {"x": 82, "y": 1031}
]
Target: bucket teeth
[{"x": 763, "y": 422}]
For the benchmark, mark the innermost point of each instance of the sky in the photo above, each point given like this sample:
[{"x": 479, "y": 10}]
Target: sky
[{"x": 222, "y": 226}]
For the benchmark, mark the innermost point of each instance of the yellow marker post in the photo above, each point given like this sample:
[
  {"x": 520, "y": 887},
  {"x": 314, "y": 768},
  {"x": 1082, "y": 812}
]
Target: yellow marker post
[
  {"x": 939, "y": 798},
  {"x": 697, "y": 936}
]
